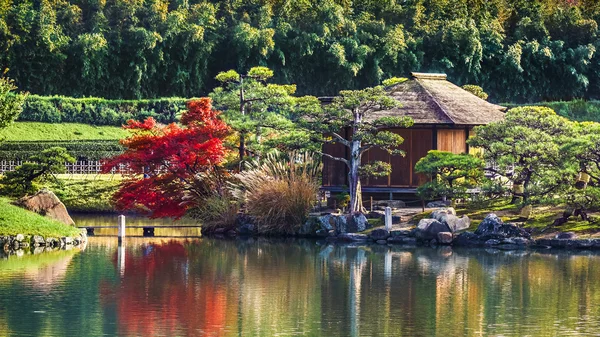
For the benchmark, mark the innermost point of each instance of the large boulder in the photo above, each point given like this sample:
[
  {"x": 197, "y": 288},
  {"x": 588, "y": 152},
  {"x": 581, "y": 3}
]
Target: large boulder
[
  {"x": 46, "y": 203},
  {"x": 379, "y": 234},
  {"x": 354, "y": 223},
  {"x": 428, "y": 229},
  {"x": 448, "y": 217},
  {"x": 492, "y": 227}
]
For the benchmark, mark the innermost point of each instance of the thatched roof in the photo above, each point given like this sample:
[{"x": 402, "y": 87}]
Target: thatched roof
[{"x": 431, "y": 99}]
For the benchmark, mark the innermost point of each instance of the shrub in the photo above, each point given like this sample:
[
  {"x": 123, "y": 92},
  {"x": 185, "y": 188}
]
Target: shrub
[
  {"x": 476, "y": 90},
  {"x": 80, "y": 149},
  {"x": 216, "y": 211},
  {"x": 99, "y": 111},
  {"x": 279, "y": 192}
]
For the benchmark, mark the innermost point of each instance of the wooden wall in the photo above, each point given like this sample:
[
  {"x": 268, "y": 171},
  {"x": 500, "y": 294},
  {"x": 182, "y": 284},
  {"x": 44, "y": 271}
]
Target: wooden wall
[{"x": 452, "y": 140}]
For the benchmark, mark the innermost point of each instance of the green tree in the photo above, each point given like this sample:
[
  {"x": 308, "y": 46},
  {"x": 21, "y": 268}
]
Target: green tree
[
  {"x": 11, "y": 103},
  {"x": 525, "y": 150},
  {"x": 476, "y": 90},
  {"x": 38, "y": 168},
  {"x": 253, "y": 107},
  {"x": 450, "y": 175},
  {"x": 353, "y": 110}
]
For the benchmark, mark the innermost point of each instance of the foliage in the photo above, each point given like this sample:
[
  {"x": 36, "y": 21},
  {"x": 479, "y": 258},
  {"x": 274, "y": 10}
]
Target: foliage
[
  {"x": 252, "y": 106},
  {"x": 11, "y": 104},
  {"x": 81, "y": 149},
  {"x": 279, "y": 191},
  {"x": 352, "y": 110},
  {"x": 476, "y": 90},
  {"x": 450, "y": 175},
  {"x": 216, "y": 211},
  {"x": 38, "y": 168},
  {"x": 16, "y": 220},
  {"x": 521, "y": 51},
  {"x": 525, "y": 150},
  {"x": 35, "y": 131},
  {"x": 578, "y": 109},
  {"x": 99, "y": 111},
  {"x": 91, "y": 196},
  {"x": 179, "y": 164}
]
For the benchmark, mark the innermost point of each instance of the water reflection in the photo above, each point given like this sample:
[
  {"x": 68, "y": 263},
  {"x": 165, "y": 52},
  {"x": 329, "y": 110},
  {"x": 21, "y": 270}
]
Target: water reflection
[{"x": 285, "y": 287}]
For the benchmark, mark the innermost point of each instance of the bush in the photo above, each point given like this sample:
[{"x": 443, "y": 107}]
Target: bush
[
  {"x": 476, "y": 90},
  {"x": 279, "y": 192},
  {"x": 80, "y": 149},
  {"x": 99, "y": 111},
  {"x": 85, "y": 195},
  {"x": 216, "y": 212}
]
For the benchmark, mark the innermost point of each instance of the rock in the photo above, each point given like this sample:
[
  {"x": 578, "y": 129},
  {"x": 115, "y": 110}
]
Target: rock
[
  {"x": 37, "y": 241},
  {"x": 405, "y": 240},
  {"x": 566, "y": 236},
  {"x": 381, "y": 242},
  {"x": 438, "y": 213},
  {"x": 20, "y": 237},
  {"x": 401, "y": 232},
  {"x": 327, "y": 222},
  {"x": 379, "y": 234},
  {"x": 356, "y": 223},
  {"x": 396, "y": 219},
  {"x": 231, "y": 233},
  {"x": 444, "y": 238},
  {"x": 67, "y": 240},
  {"x": 437, "y": 204},
  {"x": 24, "y": 244},
  {"x": 584, "y": 244},
  {"x": 246, "y": 229},
  {"x": 509, "y": 246},
  {"x": 492, "y": 242},
  {"x": 352, "y": 237},
  {"x": 427, "y": 229},
  {"x": 51, "y": 242},
  {"x": 46, "y": 203},
  {"x": 467, "y": 239},
  {"x": 516, "y": 241},
  {"x": 15, "y": 245},
  {"x": 492, "y": 226}
]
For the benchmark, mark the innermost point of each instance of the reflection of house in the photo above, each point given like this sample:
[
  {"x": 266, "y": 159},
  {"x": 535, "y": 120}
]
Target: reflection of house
[{"x": 444, "y": 115}]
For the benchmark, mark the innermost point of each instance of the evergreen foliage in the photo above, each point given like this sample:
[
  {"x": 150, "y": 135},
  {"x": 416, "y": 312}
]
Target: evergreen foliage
[{"x": 519, "y": 51}]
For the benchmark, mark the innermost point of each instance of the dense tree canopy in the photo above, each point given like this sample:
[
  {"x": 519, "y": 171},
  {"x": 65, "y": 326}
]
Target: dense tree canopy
[{"x": 516, "y": 50}]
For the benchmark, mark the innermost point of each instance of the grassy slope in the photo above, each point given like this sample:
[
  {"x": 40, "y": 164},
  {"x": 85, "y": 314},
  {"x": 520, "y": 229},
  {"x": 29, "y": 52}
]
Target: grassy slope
[
  {"x": 25, "y": 131},
  {"x": 15, "y": 220}
]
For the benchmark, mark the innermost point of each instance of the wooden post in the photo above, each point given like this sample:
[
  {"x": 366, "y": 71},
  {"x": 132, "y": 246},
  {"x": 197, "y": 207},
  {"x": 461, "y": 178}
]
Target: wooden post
[
  {"x": 371, "y": 204},
  {"x": 121, "y": 224},
  {"x": 388, "y": 219}
]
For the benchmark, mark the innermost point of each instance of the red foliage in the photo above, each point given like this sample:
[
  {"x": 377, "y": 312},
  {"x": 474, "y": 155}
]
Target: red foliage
[{"x": 170, "y": 158}]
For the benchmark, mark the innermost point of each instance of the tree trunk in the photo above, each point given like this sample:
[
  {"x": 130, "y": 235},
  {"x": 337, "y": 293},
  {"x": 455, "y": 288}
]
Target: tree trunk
[
  {"x": 242, "y": 147},
  {"x": 356, "y": 204}
]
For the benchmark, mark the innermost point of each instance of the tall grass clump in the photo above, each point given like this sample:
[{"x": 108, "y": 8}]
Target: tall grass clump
[{"x": 279, "y": 191}]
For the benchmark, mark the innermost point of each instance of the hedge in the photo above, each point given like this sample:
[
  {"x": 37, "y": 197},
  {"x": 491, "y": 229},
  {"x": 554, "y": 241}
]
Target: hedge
[
  {"x": 80, "y": 149},
  {"x": 577, "y": 110},
  {"x": 99, "y": 111}
]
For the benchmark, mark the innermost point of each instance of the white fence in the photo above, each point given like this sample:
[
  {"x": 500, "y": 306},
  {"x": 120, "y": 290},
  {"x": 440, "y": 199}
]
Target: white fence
[{"x": 79, "y": 167}]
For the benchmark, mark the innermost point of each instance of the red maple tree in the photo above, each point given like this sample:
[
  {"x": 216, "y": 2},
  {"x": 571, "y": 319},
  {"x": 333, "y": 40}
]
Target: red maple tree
[{"x": 171, "y": 165}]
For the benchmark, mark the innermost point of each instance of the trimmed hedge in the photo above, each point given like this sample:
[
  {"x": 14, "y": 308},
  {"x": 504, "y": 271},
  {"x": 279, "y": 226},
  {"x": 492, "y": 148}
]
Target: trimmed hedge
[
  {"x": 80, "y": 149},
  {"x": 577, "y": 110},
  {"x": 99, "y": 111}
]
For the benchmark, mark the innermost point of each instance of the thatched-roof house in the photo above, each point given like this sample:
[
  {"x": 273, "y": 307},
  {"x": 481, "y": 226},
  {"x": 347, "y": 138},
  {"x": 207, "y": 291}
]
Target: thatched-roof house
[{"x": 444, "y": 116}]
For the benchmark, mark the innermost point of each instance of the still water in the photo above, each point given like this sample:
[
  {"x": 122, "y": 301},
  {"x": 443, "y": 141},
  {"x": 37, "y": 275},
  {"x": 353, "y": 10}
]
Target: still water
[{"x": 210, "y": 287}]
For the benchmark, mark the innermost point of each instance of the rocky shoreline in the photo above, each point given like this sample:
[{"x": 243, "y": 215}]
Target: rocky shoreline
[
  {"x": 36, "y": 243},
  {"x": 443, "y": 228}
]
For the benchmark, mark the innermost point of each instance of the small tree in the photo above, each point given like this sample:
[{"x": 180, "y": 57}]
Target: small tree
[
  {"x": 476, "y": 90},
  {"x": 38, "y": 168},
  {"x": 11, "y": 103},
  {"x": 526, "y": 150},
  {"x": 180, "y": 164},
  {"x": 352, "y": 110},
  {"x": 251, "y": 106},
  {"x": 450, "y": 175}
]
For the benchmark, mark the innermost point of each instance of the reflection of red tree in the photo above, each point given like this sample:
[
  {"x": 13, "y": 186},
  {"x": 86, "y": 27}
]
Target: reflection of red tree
[{"x": 157, "y": 295}]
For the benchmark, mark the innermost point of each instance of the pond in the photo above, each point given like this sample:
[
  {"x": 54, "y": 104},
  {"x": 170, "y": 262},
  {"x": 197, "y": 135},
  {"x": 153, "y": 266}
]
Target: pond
[{"x": 268, "y": 287}]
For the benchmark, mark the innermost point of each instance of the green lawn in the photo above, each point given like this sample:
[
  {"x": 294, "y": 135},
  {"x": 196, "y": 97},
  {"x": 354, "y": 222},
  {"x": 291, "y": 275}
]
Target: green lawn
[
  {"x": 29, "y": 131},
  {"x": 15, "y": 220}
]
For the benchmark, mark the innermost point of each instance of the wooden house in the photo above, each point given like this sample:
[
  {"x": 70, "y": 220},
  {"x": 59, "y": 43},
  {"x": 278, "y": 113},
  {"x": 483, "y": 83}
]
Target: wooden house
[{"x": 444, "y": 116}]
